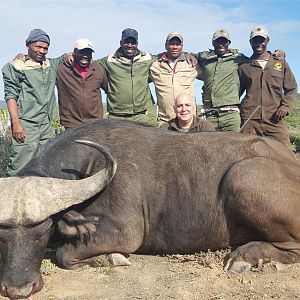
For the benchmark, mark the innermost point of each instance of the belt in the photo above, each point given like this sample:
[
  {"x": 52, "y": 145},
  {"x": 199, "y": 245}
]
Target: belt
[
  {"x": 229, "y": 108},
  {"x": 129, "y": 115},
  {"x": 216, "y": 111}
]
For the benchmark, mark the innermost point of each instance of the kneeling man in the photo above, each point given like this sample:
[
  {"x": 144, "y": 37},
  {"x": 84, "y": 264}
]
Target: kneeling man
[{"x": 186, "y": 120}]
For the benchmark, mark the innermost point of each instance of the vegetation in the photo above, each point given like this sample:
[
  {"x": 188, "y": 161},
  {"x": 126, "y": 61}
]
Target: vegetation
[
  {"x": 292, "y": 121},
  {"x": 5, "y": 138}
]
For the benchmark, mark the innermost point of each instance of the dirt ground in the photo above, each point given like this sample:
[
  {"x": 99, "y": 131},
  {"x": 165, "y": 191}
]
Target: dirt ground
[{"x": 170, "y": 277}]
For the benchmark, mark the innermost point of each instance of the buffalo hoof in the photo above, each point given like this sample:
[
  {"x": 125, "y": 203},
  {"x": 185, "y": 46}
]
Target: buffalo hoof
[
  {"x": 237, "y": 267},
  {"x": 117, "y": 259}
]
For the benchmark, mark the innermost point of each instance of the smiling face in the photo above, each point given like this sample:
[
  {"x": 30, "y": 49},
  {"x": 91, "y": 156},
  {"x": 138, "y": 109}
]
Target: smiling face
[
  {"x": 185, "y": 109},
  {"x": 174, "y": 48},
  {"x": 37, "y": 51},
  {"x": 221, "y": 46},
  {"x": 83, "y": 57},
  {"x": 259, "y": 45},
  {"x": 129, "y": 47}
]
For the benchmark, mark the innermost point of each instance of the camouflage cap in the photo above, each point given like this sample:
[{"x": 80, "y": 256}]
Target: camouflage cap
[
  {"x": 259, "y": 31},
  {"x": 174, "y": 35},
  {"x": 221, "y": 33}
]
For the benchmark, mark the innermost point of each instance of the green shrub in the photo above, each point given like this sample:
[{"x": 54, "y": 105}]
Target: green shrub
[{"x": 5, "y": 139}]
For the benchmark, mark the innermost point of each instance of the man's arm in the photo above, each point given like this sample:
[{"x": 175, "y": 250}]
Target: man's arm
[
  {"x": 242, "y": 85},
  {"x": 17, "y": 129},
  {"x": 11, "y": 94},
  {"x": 102, "y": 61},
  {"x": 290, "y": 94},
  {"x": 104, "y": 84}
]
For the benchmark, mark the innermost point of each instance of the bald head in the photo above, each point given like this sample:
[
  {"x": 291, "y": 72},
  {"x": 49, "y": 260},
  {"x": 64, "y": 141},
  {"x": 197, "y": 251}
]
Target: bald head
[{"x": 185, "y": 108}]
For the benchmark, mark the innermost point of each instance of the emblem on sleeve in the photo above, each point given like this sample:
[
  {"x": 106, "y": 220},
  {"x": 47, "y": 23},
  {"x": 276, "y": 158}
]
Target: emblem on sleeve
[{"x": 278, "y": 66}]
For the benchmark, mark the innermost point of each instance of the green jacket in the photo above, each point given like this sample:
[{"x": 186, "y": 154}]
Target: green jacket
[
  {"x": 220, "y": 76},
  {"x": 32, "y": 85},
  {"x": 128, "y": 89}
]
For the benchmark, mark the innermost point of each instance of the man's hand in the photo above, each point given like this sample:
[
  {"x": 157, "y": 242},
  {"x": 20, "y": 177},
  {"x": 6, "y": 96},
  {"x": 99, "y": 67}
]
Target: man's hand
[
  {"x": 191, "y": 59},
  {"x": 18, "y": 132},
  {"x": 69, "y": 60},
  {"x": 279, "y": 114},
  {"x": 279, "y": 54},
  {"x": 20, "y": 56}
]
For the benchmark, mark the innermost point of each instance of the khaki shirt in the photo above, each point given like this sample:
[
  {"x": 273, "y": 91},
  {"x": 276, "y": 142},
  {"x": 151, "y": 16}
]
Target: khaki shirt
[{"x": 169, "y": 83}]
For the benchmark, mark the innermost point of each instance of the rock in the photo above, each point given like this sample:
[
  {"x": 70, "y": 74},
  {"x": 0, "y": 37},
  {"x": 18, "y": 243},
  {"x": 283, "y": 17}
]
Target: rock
[
  {"x": 239, "y": 267},
  {"x": 117, "y": 259}
]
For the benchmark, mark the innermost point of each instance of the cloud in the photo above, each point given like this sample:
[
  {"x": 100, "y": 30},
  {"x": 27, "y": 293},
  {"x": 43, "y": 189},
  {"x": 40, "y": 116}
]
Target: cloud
[{"x": 102, "y": 22}]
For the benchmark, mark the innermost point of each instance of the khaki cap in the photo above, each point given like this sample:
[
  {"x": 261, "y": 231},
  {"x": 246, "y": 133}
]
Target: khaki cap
[
  {"x": 174, "y": 35},
  {"x": 259, "y": 31},
  {"x": 84, "y": 44},
  {"x": 221, "y": 33}
]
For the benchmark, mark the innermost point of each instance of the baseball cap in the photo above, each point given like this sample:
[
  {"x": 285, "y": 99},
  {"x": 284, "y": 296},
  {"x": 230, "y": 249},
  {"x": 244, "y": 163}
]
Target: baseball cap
[
  {"x": 259, "y": 31},
  {"x": 221, "y": 33},
  {"x": 129, "y": 33},
  {"x": 83, "y": 43},
  {"x": 174, "y": 35}
]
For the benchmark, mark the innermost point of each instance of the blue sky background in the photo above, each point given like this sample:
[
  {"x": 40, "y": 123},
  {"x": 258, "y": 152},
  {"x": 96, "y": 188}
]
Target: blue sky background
[{"x": 102, "y": 22}]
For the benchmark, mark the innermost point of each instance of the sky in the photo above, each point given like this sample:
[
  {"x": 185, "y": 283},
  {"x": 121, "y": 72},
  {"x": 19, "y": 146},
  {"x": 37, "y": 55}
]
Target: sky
[{"x": 103, "y": 21}]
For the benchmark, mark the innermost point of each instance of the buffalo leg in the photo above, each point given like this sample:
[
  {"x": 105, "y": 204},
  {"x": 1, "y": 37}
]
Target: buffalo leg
[
  {"x": 262, "y": 200},
  {"x": 248, "y": 255},
  {"x": 109, "y": 238}
]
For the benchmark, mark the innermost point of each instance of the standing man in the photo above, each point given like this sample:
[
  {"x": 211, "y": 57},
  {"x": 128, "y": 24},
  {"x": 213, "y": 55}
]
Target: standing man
[
  {"x": 221, "y": 84},
  {"x": 185, "y": 120},
  {"x": 271, "y": 90},
  {"x": 78, "y": 85},
  {"x": 29, "y": 92},
  {"x": 172, "y": 75},
  {"x": 128, "y": 93}
]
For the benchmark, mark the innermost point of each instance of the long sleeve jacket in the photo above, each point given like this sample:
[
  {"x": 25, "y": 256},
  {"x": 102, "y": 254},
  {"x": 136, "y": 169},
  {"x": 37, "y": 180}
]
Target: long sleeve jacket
[
  {"x": 32, "y": 85},
  {"x": 272, "y": 87},
  {"x": 80, "y": 99}
]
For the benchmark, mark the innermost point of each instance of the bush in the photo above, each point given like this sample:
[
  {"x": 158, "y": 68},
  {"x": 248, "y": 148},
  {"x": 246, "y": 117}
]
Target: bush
[{"x": 5, "y": 139}]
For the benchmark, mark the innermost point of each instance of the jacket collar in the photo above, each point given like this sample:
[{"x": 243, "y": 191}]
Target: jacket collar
[
  {"x": 175, "y": 124},
  {"x": 271, "y": 60},
  {"x": 212, "y": 54},
  {"x": 120, "y": 54},
  {"x": 165, "y": 58}
]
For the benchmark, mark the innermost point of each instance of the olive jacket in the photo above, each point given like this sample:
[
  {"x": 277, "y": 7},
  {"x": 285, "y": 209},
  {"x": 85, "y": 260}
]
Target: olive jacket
[
  {"x": 128, "y": 90},
  {"x": 197, "y": 125},
  {"x": 220, "y": 77}
]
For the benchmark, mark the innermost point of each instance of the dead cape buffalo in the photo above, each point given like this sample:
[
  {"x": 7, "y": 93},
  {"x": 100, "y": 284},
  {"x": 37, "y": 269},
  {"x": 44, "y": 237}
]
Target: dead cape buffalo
[{"x": 170, "y": 193}]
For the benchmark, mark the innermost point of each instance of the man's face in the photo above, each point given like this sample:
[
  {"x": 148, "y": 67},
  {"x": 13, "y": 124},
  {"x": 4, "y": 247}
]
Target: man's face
[
  {"x": 129, "y": 47},
  {"x": 174, "y": 48},
  {"x": 221, "y": 46},
  {"x": 37, "y": 51},
  {"x": 185, "y": 108},
  {"x": 83, "y": 57},
  {"x": 259, "y": 44}
]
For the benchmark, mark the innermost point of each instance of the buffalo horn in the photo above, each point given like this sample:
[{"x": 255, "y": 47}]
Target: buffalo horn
[{"x": 34, "y": 199}]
